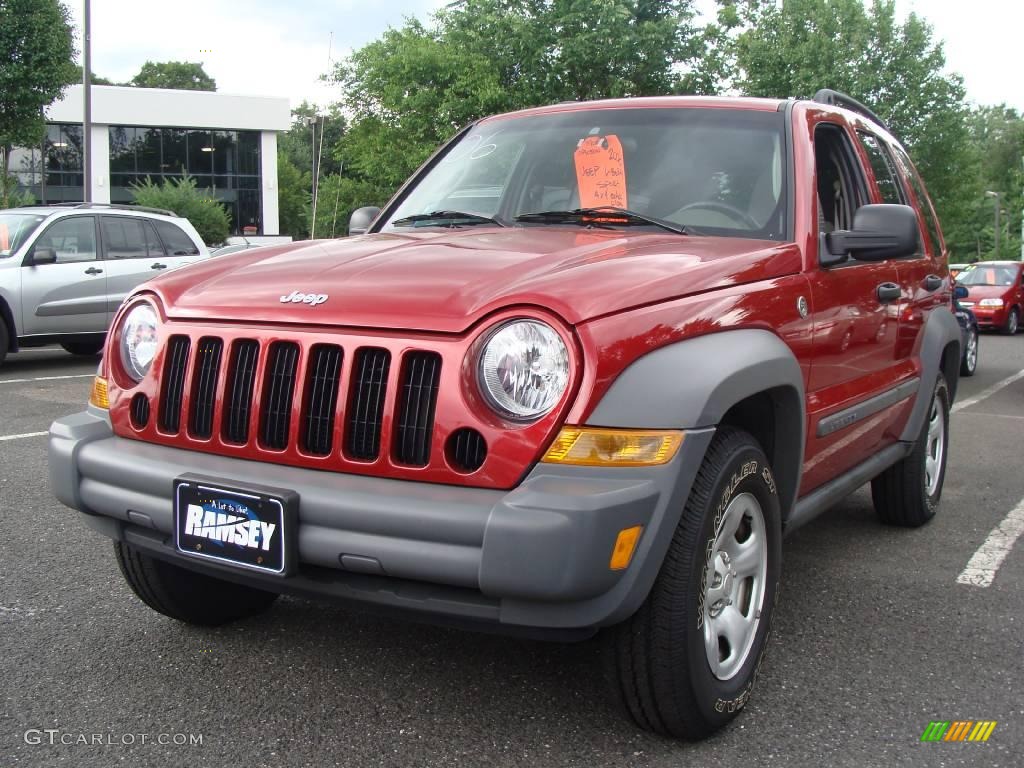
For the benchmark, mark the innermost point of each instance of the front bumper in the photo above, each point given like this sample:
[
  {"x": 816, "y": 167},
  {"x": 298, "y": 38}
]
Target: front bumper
[
  {"x": 990, "y": 317},
  {"x": 535, "y": 557}
]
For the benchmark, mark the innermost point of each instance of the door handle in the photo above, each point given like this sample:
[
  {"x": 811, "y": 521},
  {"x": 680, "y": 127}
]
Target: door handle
[
  {"x": 932, "y": 283},
  {"x": 93, "y": 271},
  {"x": 887, "y": 292},
  {"x": 158, "y": 265}
]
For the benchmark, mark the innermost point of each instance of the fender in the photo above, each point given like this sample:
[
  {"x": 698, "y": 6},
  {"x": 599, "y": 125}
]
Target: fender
[
  {"x": 692, "y": 384},
  {"x": 940, "y": 330},
  {"x": 12, "y": 329}
]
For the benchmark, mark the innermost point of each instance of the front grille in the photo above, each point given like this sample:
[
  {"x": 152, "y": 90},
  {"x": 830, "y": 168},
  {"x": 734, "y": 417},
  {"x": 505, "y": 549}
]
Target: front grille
[
  {"x": 140, "y": 411},
  {"x": 366, "y": 403},
  {"x": 322, "y": 399},
  {"x": 421, "y": 373},
  {"x": 238, "y": 392},
  {"x": 467, "y": 450},
  {"x": 275, "y": 415},
  {"x": 175, "y": 367},
  {"x": 204, "y": 387}
]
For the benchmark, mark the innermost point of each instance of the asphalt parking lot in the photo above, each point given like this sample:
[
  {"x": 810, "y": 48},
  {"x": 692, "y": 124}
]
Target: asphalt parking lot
[{"x": 873, "y": 639}]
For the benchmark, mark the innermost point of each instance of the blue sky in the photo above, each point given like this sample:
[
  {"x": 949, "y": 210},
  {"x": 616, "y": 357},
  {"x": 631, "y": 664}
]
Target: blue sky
[{"x": 281, "y": 48}]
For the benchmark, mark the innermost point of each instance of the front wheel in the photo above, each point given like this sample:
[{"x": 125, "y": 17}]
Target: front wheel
[
  {"x": 908, "y": 492},
  {"x": 186, "y": 595},
  {"x": 685, "y": 663},
  {"x": 1012, "y": 322},
  {"x": 969, "y": 364},
  {"x": 3, "y": 341}
]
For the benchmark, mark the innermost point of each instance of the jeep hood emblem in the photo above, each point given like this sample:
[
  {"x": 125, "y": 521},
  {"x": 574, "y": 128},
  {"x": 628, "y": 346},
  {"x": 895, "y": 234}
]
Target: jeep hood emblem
[{"x": 304, "y": 298}]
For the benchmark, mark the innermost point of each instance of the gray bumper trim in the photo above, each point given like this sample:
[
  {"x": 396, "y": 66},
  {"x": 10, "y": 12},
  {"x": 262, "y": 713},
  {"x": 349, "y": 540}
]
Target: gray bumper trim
[{"x": 534, "y": 556}]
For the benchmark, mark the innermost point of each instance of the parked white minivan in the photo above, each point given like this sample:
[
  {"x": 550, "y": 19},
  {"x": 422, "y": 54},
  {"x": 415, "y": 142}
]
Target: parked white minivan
[{"x": 64, "y": 270}]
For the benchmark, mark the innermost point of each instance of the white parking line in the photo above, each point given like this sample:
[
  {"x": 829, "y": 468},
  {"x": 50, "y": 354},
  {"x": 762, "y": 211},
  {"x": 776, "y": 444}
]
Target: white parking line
[
  {"x": 4, "y": 438},
  {"x": 960, "y": 405},
  {"x": 982, "y": 567},
  {"x": 49, "y": 378}
]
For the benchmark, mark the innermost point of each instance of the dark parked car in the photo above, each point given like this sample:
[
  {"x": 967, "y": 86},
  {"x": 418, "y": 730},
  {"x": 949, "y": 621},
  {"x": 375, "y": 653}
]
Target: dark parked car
[{"x": 968, "y": 332}]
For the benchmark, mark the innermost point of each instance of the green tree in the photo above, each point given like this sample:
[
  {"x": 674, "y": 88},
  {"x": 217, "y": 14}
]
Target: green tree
[
  {"x": 297, "y": 142},
  {"x": 182, "y": 75},
  {"x": 293, "y": 197},
  {"x": 96, "y": 79},
  {"x": 795, "y": 48},
  {"x": 36, "y": 52},
  {"x": 181, "y": 196},
  {"x": 338, "y": 197},
  {"x": 997, "y": 141}
]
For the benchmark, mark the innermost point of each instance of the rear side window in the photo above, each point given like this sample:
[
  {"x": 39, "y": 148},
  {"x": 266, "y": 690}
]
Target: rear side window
[
  {"x": 922, "y": 199},
  {"x": 884, "y": 169},
  {"x": 123, "y": 238},
  {"x": 72, "y": 239},
  {"x": 177, "y": 242},
  {"x": 154, "y": 248}
]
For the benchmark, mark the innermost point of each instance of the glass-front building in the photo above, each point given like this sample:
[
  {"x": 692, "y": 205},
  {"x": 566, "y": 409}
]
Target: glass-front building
[
  {"x": 226, "y": 142},
  {"x": 225, "y": 162}
]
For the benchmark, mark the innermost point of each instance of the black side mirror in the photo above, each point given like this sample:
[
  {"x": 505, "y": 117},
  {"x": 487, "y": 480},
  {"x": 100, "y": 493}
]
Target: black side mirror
[
  {"x": 43, "y": 256},
  {"x": 361, "y": 219},
  {"x": 880, "y": 232},
  {"x": 960, "y": 292}
]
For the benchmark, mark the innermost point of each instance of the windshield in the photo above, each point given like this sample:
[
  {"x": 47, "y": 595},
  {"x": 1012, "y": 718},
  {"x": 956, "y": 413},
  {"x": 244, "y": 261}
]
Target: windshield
[
  {"x": 15, "y": 228},
  {"x": 987, "y": 275},
  {"x": 714, "y": 171}
]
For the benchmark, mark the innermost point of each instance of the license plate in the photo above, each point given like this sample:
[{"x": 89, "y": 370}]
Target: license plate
[{"x": 247, "y": 527}]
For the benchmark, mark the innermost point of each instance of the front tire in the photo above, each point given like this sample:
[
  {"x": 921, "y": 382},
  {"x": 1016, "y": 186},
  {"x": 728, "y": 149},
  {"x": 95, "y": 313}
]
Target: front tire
[
  {"x": 908, "y": 493},
  {"x": 186, "y": 595},
  {"x": 1012, "y": 322},
  {"x": 685, "y": 663},
  {"x": 970, "y": 362},
  {"x": 4, "y": 341}
]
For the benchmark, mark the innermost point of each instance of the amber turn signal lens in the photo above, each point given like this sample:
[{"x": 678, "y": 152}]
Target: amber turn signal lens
[
  {"x": 594, "y": 447},
  {"x": 99, "y": 397},
  {"x": 625, "y": 546}
]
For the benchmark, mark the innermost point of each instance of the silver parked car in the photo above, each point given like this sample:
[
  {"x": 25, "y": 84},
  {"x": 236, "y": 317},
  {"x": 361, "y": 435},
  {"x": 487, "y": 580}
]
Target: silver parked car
[{"x": 64, "y": 270}]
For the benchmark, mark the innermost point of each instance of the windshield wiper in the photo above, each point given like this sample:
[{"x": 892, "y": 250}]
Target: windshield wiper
[
  {"x": 601, "y": 215},
  {"x": 455, "y": 218}
]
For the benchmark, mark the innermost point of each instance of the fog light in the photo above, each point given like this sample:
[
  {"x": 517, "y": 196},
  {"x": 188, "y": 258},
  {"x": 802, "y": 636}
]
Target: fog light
[
  {"x": 625, "y": 546},
  {"x": 99, "y": 397},
  {"x": 592, "y": 447}
]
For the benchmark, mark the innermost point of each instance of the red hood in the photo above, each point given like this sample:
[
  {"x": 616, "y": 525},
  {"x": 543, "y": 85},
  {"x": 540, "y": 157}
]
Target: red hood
[
  {"x": 446, "y": 281},
  {"x": 978, "y": 292}
]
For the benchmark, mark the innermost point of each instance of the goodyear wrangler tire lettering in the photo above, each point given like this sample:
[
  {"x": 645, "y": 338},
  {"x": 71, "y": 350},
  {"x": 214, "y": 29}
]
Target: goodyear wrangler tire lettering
[{"x": 659, "y": 659}]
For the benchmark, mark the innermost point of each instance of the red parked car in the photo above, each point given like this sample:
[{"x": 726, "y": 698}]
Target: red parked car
[
  {"x": 580, "y": 374},
  {"x": 995, "y": 293}
]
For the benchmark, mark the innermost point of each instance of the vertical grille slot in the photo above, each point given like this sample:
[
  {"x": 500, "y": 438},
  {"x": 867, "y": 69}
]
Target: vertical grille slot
[
  {"x": 175, "y": 366},
  {"x": 421, "y": 374},
  {"x": 275, "y": 415},
  {"x": 367, "y": 403},
  {"x": 466, "y": 450},
  {"x": 322, "y": 399},
  {"x": 204, "y": 386},
  {"x": 238, "y": 392}
]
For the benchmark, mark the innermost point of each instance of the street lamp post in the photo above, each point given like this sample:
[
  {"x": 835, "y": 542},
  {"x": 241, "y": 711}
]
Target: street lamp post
[{"x": 997, "y": 198}]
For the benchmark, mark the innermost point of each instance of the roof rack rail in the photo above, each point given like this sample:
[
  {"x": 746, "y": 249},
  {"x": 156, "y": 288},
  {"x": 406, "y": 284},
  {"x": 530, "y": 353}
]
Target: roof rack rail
[
  {"x": 837, "y": 99},
  {"x": 116, "y": 206}
]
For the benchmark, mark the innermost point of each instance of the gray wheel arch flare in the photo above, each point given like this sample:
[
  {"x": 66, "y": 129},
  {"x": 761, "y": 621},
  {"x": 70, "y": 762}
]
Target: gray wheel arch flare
[
  {"x": 940, "y": 351},
  {"x": 693, "y": 384}
]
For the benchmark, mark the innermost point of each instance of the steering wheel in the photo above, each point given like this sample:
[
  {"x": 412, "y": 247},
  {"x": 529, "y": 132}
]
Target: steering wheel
[{"x": 719, "y": 207}]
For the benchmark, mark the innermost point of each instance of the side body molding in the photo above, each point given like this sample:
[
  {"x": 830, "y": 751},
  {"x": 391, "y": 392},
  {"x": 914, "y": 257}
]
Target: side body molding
[
  {"x": 693, "y": 383},
  {"x": 940, "y": 330}
]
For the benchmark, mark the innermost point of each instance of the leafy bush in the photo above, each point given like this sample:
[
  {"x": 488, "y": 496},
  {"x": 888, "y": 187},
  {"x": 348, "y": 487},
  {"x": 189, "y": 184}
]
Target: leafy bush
[
  {"x": 181, "y": 196},
  {"x": 16, "y": 199}
]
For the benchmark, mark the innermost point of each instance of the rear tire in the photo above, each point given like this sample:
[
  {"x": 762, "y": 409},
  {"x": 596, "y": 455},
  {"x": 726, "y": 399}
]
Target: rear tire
[
  {"x": 969, "y": 364},
  {"x": 83, "y": 348},
  {"x": 908, "y": 492},
  {"x": 1012, "y": 322},
  {"x": 186, "y": 595},
  {"x": 685, "y": 663}
]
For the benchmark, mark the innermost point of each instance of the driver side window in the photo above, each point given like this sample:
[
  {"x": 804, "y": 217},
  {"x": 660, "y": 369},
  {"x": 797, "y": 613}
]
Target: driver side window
[
  {"x": 840, "y": 185},
  {"x": 72, "y": 239}
]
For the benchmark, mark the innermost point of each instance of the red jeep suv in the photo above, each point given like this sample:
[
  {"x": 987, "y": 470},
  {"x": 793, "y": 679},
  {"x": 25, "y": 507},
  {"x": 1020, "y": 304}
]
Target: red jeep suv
[
  {"x": 995, "y": 293},
  {"x": 580, "y": 374}
]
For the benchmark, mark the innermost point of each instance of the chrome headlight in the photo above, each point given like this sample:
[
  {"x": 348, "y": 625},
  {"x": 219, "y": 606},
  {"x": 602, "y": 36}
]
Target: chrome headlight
[
  {"x": 990, "y": 303},
  {"x": 139, "y": 340},
  {"x": 524, "y": 369}
]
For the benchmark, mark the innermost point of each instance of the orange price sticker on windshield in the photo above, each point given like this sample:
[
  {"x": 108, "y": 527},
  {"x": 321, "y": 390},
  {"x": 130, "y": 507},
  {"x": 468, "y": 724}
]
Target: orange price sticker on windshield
[
  {"x": 5, "y": 238},
  {"x": 601, "y": 172}
]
